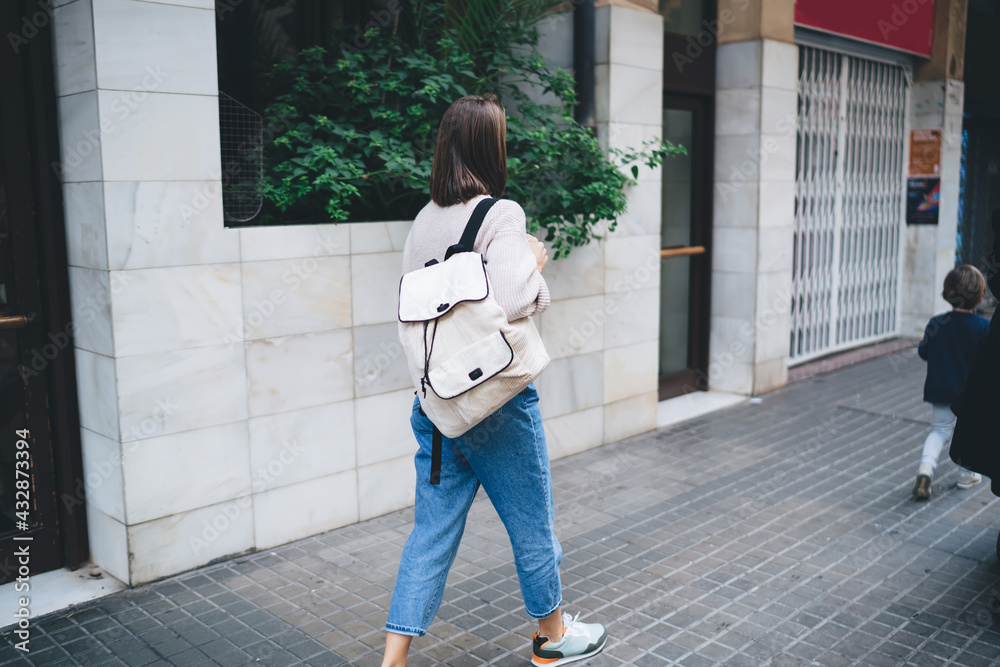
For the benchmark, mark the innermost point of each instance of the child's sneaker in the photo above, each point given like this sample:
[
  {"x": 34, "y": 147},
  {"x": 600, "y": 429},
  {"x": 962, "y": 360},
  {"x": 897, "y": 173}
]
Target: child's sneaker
[
  {"x": 922, "y": 489},
  {"x": 579, "y": 641},
  {"x": 967, "y": 480}
]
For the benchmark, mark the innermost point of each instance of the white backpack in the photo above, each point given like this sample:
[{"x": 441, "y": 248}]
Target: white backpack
[{"x": 465, "y": 359}]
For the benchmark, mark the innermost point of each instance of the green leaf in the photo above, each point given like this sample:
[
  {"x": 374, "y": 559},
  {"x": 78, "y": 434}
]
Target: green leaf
[{"x": 352, "y": 131}]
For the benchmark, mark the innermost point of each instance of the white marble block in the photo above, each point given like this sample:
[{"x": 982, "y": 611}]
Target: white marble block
[
  {"x": 163, "y": 224},
  {"x": 157, "y": 136},
  {"x": 375, "y": 287},
  {"x": 299, "y": 445},
  {"x": 211, "y": 465},
  {"x": 386, "y": 486},
  {"x": 102, "y": 474},
  {"x": 294, "y": 296},
  {"x": 74, "y": 48},
  {"x": 186, "y": 540},
  {"x": 162, "y": 47},
  {"x": 86, "y": 236},
  {"x": 383, "y": 427},
  {"x": 169, "y": 392},
  {"x": 305, "y": 508},
  {"x": 164, "y": 309},
  {"x": 299, "y": 371},
  {"x": 108, "y": 540},
  {"x": 294, "y": 241}
]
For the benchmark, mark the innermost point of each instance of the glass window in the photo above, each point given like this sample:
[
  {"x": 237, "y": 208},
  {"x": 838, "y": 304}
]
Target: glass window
[
  {"x": 252, "y": 36},
  {"x": 675, "y": 272},
  {"x": 683, "y": 16}
]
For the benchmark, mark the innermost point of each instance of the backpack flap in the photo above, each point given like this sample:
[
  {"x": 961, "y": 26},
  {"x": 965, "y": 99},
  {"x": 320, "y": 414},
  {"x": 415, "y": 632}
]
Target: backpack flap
[
  {"x": 428, "y": 293},
  {"x": 471, "y": 366}
]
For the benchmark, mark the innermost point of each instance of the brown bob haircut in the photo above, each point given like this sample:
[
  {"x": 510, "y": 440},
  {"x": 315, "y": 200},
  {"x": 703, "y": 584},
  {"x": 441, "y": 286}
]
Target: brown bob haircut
[
  {"x": 470, "y": 157},
  {"x": 964, "y": 287}
]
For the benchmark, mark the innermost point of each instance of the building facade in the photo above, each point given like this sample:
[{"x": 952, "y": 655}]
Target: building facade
[{"x": 226, "y": 389}]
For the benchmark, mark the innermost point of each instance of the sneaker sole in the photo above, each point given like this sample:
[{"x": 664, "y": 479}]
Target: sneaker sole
[
  {"x": 572, "y": 658},
  {"x": 968, "y": 485}
]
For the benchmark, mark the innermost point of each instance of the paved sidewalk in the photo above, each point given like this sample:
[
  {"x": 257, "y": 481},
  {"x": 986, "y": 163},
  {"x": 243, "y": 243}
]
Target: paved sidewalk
[{"x": 780, "y": 533}]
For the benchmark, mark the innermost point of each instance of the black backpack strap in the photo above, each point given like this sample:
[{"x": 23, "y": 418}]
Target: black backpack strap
[
  {"x": 465, "y": 244},
  {"x": 436, "y": 457},
  {"x": 468, "y": 239}
]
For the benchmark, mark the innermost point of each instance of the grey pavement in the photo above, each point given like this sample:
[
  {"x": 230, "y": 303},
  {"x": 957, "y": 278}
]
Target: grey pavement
[{"x": 779, "y": 533}]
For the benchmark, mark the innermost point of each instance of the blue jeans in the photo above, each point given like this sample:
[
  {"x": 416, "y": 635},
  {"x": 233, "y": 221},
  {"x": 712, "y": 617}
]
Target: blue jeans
[{"x": 506, "y": 453}]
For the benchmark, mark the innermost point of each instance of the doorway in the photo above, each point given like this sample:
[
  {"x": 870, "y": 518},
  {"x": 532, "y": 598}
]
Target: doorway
[
  {"x": 41, "y": 500},
  {"x": 685, "y": 242}
]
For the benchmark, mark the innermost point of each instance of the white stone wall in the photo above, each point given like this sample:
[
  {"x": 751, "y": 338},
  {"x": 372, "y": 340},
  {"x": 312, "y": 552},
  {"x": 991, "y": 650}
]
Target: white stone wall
[
  {"x": 929, "y": 250},
  {"x": 602, "y": 329},
  {"x": 754, "y": 215},
  {"x": 242, "y": 388}
]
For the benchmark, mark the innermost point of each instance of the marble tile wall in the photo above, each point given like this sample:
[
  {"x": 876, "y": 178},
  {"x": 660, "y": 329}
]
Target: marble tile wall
[
  {"x": 629, "y": 111},
  {"x": 241, "y": 388},
  {"x": 753, "y": 208},
  {"x": 930, "y": 250},
  {"x": 80, "y": 169}
]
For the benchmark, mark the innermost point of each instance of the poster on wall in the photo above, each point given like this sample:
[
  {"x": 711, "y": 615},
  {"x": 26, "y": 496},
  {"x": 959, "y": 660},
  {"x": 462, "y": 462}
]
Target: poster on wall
[
  {"x": 923, "y": 187},
  {"x": 923, "y": 196},
  {"x": 925, "y": 152}
]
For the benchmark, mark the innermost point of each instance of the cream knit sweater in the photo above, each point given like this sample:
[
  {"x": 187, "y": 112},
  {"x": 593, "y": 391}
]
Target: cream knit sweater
[{"x": 515, "y": 281}]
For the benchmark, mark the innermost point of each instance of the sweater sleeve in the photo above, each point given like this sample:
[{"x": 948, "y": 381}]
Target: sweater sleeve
[{"x": 517, "y": 284}]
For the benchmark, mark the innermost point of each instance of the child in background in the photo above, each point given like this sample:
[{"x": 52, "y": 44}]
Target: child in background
[{"x": 950, "y": 344}]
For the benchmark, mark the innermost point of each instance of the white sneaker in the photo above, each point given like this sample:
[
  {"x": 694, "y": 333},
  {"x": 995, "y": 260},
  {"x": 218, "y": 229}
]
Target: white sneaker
[
  {"x": 579, "y": 642},
  {"x": 967, "y": 480}
]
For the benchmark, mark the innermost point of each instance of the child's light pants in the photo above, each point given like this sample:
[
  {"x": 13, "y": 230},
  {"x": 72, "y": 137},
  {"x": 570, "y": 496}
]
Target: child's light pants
[{"x": 942, "y": 426}]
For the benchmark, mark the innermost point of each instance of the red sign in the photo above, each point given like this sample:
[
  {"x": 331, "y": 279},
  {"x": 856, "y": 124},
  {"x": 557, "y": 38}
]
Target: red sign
[{"x": 905, "y": 25}]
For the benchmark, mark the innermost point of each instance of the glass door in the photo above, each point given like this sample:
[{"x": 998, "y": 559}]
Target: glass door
[{"x": 685, "y": 233}]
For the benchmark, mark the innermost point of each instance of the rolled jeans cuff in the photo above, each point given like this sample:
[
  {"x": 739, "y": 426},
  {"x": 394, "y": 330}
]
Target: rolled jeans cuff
[
  {"x": 400, "y": 630},
  {"x": 546, "y": 614}
]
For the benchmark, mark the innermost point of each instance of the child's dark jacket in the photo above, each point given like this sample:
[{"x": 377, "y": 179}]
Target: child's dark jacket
[{"x": 950, "y": 345}]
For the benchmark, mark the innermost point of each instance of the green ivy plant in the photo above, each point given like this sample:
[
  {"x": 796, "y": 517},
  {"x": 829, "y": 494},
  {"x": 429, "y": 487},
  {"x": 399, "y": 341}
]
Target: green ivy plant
[{"x": 351, "y": 135}]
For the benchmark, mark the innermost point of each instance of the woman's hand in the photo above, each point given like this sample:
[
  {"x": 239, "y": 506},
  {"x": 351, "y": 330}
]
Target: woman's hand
[{"x": 541, "y": 254}]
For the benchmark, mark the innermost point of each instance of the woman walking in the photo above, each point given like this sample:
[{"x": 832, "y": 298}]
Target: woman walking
[{"x": 506, "y": 453}]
